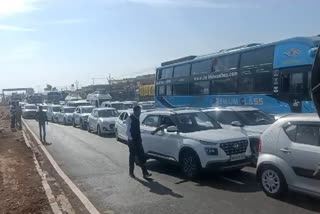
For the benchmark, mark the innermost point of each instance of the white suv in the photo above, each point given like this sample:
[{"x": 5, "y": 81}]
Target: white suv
[
  {"x": 290, "y": 156},
  {"x": 193, "y": 140}
]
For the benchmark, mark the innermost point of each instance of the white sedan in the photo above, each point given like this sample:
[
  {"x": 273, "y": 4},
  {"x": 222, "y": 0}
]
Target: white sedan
[{"x": 102, "y": 120}]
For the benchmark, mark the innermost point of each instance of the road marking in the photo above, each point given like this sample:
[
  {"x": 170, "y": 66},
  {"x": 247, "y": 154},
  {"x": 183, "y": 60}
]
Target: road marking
[
  {"x": 52, "y": 201},
  {"x": 85, "y": 201},
  {"x": 233, "y": 181}
]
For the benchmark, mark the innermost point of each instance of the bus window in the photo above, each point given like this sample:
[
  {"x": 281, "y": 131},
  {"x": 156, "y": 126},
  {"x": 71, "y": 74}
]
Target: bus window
[
  {"x": 200, "y": 88},
  {"x": 182, "y": 70},
  {"x": 161, "y": 90},
  {"x": 226, "y": 63},
  {"x": 165, "y": 73},
  {"x": 181, "y": 89},
  {"x": 224, "y": 86},
  {"x": 246, "y": 82},
  {"x": 263, "y": 82},
  {"x": 260, "y": 56},
  {"x": 285, "y": 83},
  {"x": 169, "y": 90},
  {"x": 201, "y": 67}
]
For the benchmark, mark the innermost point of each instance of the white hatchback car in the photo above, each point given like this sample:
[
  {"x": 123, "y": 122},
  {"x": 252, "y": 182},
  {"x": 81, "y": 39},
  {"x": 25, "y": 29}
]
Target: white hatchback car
[
  {"x": 102, "y": 120},
  {"x": 121, "y": 126},
  {"x": 193, "y": 140},
  {"x": 290, "y": 156}
]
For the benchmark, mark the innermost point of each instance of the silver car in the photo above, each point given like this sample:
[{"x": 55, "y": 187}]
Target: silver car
[
  {"x": 290, "y": 156},
  {"x": 80, "y": 116},
  {"x": 29, "y": 111},
  {"x": 66, "y": 114},
  {"x": 52, "y": 113},
  {"x": 102, "y": 120}
]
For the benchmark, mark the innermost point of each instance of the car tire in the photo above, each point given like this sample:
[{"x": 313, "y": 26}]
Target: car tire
[
  {"x": 74, "y": 123},
  {"x": 190, "y": 164},
  {"x": 272, "y": 181},
  {"x": 99, "y": 131},
  {"x": 81, "y": 125},
  {"x": 88, "y": 128},
  {"x": 64, "y": 121}
]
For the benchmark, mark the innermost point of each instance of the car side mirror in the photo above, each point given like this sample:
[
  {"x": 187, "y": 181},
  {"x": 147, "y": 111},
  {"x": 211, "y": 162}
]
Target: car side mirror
[
  {"x": 237, "y": 124},
  {"x": 172, "y": 129}
]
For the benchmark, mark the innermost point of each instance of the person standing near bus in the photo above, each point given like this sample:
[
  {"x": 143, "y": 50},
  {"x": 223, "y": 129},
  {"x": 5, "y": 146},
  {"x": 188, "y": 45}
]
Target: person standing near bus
[
  {"x": 135, "y": 143},
  {"x": 42, "y": 119}
]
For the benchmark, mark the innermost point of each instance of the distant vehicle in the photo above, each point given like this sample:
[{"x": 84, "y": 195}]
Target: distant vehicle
[
  {"x": 80, "y": 116},
  {"x": 249, "y": 120},
  {"x": 35, "y": 99},
  {"x": 52, "y": 113},
  {"x": 97, "y": 98},
  {"x": 29, "y": 111},
  {"x": 102, "y": 120},
  {"x": 147, "y": 105},
  {"x": 190, "y": 138},
  {"x": 78, "y": 103},
  {"x": 129, "y": 104},
  {"x": 272, "y": 77},
  {"x": 54, "y": 97},
  {"x": 44, "y": 107},
  {"x": 290, "y": 156},
  {"x": 121, "y": 126},
  {"x": 65, "y": 116}
]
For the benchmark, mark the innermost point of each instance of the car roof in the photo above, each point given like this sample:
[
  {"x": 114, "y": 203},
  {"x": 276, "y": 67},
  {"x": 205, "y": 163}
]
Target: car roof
[
  {"x": 303, "y": 117},
  {"x": 30, "y": 104},
  {"x": 104, "y": 108},
  {"x": 86, "y": 107},
  {"x": 172, "y": 111},
  {"x": 68, "y": 107},
  {"x": 231, "y": 108}
]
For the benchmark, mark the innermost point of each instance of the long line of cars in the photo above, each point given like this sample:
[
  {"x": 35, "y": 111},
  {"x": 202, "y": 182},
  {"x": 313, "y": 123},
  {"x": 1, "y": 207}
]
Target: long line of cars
[{"x": 286, "y": 151}]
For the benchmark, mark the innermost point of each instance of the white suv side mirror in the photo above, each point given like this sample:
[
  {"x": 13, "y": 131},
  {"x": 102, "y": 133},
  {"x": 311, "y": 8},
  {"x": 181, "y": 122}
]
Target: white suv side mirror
[
  {"x": 172, "y": 129},
  {"x": 236, "y": 123}
]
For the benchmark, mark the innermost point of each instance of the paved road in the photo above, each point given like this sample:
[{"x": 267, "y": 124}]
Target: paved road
[{"x": 99, "y": 167}]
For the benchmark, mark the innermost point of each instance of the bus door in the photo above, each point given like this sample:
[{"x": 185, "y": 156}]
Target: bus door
[{"x": 293, "y": 87}]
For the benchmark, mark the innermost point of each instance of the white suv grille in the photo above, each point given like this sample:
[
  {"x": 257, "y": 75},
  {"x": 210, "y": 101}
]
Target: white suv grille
[{"x": 236, "y": 147}]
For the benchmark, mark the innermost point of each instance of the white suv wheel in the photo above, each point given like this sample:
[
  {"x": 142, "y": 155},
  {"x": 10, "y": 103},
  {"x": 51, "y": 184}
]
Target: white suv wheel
[{"x": 270, "y": 181}]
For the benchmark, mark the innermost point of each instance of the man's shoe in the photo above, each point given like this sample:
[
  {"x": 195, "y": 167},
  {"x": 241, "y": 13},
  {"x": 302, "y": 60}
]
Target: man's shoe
[{"x": 147, "y": 175}]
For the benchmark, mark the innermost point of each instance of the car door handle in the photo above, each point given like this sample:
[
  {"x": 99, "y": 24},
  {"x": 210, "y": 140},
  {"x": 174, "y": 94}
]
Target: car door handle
[{"x": 285, "y": 150}]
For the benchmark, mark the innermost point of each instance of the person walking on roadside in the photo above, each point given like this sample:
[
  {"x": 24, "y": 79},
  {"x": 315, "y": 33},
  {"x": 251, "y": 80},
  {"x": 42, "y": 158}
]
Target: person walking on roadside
[
  {"x": 18, "y": 115},
  {"x": 41, "y": 117},
  {"x": 135, "y": 143},
  {"x": 13, "y": 115}
]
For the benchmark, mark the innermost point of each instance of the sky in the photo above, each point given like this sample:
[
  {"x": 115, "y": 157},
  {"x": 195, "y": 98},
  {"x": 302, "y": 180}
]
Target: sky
[{"x": 59, "y": 42}]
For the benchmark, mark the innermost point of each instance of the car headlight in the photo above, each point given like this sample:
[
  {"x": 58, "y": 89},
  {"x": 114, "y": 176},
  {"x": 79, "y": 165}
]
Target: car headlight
[
  {"x": 208, "y": 143},
  {"x": 211, "y": 151}
]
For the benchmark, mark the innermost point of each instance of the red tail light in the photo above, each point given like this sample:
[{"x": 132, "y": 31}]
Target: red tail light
[{"x": 260, "y": 145}]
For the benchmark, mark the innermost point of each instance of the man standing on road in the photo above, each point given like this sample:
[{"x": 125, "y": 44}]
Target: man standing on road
[
  {"x": 42, "y": 119},
  {"x": 135, "y": 143},
  {"x": 18, "y": 115},
  {"x": 13, "y": 115}
]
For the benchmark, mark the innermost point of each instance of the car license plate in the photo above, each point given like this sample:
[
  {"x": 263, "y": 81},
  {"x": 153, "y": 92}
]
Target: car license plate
[{"x": 237, "y": 157}]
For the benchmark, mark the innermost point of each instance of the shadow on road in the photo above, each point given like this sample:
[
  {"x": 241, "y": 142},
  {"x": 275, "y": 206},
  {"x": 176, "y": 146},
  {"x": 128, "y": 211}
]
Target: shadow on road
[
  {"x": 157, "y": 188},
  {"x": 211, "y": 179},
  {"x": 303, "y": 201}
]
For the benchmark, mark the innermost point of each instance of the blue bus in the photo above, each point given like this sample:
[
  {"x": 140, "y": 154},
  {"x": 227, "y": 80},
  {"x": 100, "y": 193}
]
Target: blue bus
[{"x": 273, "y": 77}]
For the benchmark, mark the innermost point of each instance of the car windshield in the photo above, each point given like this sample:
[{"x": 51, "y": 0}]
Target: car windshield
[
  {"x": 253, "y": 118},
  {"x": 87, "y": 110},
  {"x": 108, "y": 113},
  {"x": 56, "y": 109},
  {"x": 223, "y": 117},
  {"x": 44, "y": 107},
  {"x": 147, "y": 106},
  {"x": 128, "y": 106},
  {"x": 30, "y": 107},
  {"x": 69, "y": 110},
  {"x": 196, "y": 121},
  {"x": 118, "y": 106}
]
